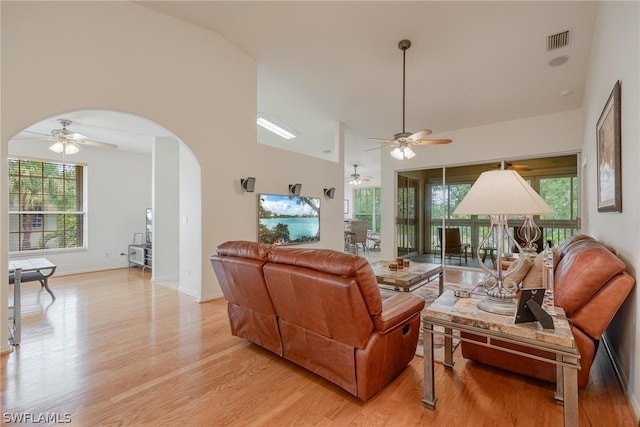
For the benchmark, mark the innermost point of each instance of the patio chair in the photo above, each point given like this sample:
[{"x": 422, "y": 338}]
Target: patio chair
[
  {"x": 454, "y": 248},
  {"x": 359, "y": 234},
  {"x": 374, "y": 240}
]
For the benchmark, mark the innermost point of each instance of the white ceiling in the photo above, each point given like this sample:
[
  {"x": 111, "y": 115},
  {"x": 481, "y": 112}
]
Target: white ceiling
[{"x": 470, "y": 64}]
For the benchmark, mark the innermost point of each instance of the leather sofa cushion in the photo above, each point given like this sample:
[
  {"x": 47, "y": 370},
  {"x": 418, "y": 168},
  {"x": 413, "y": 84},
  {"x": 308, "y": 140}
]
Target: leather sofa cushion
[
  {"x": 566, "y": 245},
  {"x": 396, "y": 308},
  {"x": 322, "y": 355},
  {"x": 588, "y": 264},
  {"x": 325, "y": 304},
  {"x": 241, "y": 278},
  {"x": 244, "y": 249},
  {"x": 335, "y": 263},
  {"x": 259, "y": 328},
  {"x": 594, "y": 317},
  {"x": 242, "y": 283}
]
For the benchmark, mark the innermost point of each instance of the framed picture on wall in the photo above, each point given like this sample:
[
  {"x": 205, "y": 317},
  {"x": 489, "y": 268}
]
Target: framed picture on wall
[{"x": 609, "y": 160}]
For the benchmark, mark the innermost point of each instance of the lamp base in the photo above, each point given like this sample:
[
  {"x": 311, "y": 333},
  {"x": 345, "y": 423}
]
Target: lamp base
[{"x": 502, "y": 304}]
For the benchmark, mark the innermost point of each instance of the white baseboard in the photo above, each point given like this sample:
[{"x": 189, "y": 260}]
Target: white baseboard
[
  {"x": 88, "y": 270},
  {"x": 171, "y": 281},
  {"x": 188, "y": 292},
  {"x": 622, "y": 378},
  {"x": 207, "y": 298}
]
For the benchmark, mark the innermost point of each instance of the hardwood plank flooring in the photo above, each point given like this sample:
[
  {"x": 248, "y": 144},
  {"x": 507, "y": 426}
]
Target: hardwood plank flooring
[{"x": 113, "y": 349}]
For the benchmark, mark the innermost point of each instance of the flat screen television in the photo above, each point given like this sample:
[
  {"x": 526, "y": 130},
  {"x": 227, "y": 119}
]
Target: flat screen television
[{"x": 288, "y": 220}]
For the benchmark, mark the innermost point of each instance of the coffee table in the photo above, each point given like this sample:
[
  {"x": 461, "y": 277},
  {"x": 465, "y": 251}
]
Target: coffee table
[
  {"x": 463, "y": 314},
  {"x": 408, "y": 279}
]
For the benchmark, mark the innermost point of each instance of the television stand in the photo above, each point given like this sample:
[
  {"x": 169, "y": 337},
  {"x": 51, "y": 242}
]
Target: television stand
[{"x": 140, "y": 255}]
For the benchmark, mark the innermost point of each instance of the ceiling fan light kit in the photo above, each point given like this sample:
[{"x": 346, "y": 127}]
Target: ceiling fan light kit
[
  {"x": 402, "y": 153},
  {"x": 355, "y": 178},
  {"x": 66, "y": 147},
  {"x": 402, "y": 142}
]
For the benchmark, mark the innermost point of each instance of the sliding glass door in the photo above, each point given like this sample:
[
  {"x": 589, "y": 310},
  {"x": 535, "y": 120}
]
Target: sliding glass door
[
  {"x": 426, "y": 200},
  {"x": 407, "y": 216}
]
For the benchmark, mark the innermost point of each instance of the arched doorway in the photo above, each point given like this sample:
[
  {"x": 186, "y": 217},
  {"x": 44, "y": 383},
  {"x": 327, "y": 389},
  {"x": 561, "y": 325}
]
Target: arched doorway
[{"x": 142, "y": 165}]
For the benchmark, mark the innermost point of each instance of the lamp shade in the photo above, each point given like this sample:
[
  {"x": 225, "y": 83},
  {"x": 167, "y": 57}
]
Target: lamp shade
[{"x": 502, "y": 192}]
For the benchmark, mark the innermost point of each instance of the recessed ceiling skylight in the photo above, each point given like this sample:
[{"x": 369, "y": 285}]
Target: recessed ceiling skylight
[{"x": 274, "y": 126}]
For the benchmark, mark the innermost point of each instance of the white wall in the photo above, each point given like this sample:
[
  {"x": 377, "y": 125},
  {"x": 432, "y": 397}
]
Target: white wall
[
  {"x": 166, "y": 212},
  {"x": 615, "y": 56},
  {"x": 190, "y": 220},
  {"x": 119, "y": 191},
  {"x": 189, "y": 80}
]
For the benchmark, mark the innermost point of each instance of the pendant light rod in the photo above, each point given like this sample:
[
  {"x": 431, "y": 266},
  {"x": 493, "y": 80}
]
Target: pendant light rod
[{"x": 403, "y": 45}]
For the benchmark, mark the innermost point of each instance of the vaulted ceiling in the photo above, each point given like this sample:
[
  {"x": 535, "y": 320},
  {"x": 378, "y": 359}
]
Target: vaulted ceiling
[{"x": 470, "y": 64}]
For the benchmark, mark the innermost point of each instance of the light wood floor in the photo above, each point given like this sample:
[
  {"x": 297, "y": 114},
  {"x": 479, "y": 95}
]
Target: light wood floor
[{"x": 115, "y": 350}]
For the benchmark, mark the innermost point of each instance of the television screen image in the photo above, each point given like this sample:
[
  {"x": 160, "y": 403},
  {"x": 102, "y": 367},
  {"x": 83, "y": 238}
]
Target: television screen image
[{"x": 288, "y": 220}]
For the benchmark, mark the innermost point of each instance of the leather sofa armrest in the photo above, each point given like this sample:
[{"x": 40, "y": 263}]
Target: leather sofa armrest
[{"x": 397, "y": 309}]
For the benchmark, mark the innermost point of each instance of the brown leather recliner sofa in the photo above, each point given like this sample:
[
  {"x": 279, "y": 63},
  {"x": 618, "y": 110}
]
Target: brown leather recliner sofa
[
  {"x": 320, "y": 309},
  {"x": 590, "y": 285}
]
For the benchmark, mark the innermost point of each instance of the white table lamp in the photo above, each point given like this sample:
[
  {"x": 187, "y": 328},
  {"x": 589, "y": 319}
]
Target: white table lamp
[{"x": 500, "y": 193}]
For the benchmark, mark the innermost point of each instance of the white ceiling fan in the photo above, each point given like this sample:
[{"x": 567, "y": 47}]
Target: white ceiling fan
[
  {"x": 68, "y": 142},
  {"x": 402, "y": 142},
  {"x": 355, "y": 178}
]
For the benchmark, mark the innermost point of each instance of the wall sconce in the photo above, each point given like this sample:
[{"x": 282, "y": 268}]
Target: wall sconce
[
  {"x": 294, "y": 189},
  {"x": 329, "y": 192},
  {"x": 248, "y": 184}
]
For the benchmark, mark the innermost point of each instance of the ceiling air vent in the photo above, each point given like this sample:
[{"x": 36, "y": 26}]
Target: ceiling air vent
[{"x": 556, "y": 41}]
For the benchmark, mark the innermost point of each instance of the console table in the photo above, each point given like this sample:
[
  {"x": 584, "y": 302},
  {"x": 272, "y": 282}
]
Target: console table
[{"x": 463, "y": 314}]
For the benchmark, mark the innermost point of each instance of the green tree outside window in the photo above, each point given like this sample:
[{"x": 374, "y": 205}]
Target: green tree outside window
[{"x": 46, "y": 207}]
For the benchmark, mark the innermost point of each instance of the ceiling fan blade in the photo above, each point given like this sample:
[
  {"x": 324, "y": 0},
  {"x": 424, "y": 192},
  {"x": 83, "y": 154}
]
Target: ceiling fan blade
[
  {"x": 37, "y": 133},
  {"x": 432, "y": 141},
  {"x": 32, "y": 139},
  {"x": 381, "y": 139},
  {"x": 97, "y": 144},
  {"x": 517, "y": 168},
  {"x": 420, "y": 135},
  {"x": 75, "y": 136},
  {"x": 379, "y": 147},
  {"x": 520, "y": 168}
]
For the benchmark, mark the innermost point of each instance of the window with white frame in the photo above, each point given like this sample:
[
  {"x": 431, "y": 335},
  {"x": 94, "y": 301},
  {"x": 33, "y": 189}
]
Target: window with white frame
[
  {"x": 46, "y": 205},
  {"x": 368, "y": 207}
]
